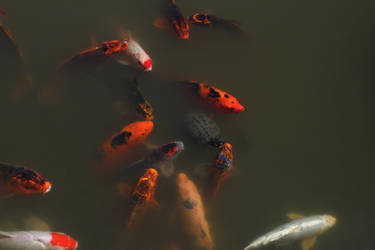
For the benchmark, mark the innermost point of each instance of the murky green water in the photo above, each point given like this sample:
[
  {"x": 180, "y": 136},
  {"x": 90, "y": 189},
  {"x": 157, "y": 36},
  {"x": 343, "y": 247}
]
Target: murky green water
[{"x": 305, "y": 143}]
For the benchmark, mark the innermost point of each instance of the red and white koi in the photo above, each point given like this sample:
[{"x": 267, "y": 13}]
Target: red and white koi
[
  {"x": 36, "y": 240},
  {"x": 137, "y": 55}
]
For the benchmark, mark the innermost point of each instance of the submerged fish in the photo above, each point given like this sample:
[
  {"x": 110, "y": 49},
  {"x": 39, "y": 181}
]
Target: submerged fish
[
  {"x": 144, "y": 108},
  {"x": 192, "y": 213},
  {"x": 202, "y": 129},
  {"x": 222, "y": 167},
  {"x": 102, "y": 50},
  {"x": 214, "y": 97},
  {"x": 119, "y": 144},
  {"x": 142, "y": 195},
  {"x": 205, "y": 19},
  {"x": 160, "y": 158},
  {"x": 174, "y": 20},
  {"x": 22, "y": 180},
  {"x": 36, "y": 240},
  {"x": 301, "y": 228}
]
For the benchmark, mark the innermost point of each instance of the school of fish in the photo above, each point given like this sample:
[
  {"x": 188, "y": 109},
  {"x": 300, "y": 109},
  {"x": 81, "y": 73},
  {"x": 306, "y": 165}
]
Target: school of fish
[{"x": 139, "y": 179}]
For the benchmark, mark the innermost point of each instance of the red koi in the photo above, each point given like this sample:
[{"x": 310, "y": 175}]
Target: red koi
[{"x": 214, "y": 97}]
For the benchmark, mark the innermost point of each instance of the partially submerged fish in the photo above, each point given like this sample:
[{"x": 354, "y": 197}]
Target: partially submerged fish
[
  {"x": 222, "y": 167},
  {"x": 119, "y": 144},
  {"x": 21, "y": 180},
  {"x": 203, "y": 129},
  {"x": 143, "y": 107},
  {"x": 301, "y": 228},
  {"x": 174, "y": 20},
  {"x": 24, "y": 82},
  {"x": 214, "y": 97},
  {"x": 192, "y": 213},
  {"x": 142, "y": 195},
  {"x": 103, "y": 50},
  {"x": 36, "y": 240},
  {"x": 160, "y": 158},
  {"x": 205, "y": 19}
]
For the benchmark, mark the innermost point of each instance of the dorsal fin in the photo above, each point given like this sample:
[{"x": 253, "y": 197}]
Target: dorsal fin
[{"x": 294, "y": 216}]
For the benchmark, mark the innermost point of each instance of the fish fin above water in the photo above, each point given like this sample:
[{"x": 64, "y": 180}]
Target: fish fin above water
[
  {"x": 124, "y": 189},
  {"x": 308, "y": 243},
  {"x": 36, "y": 223},
  {"x": 167, "y": 168},
  {"x": 160, "y": 23},
  {"x": 294, "y": 216}
]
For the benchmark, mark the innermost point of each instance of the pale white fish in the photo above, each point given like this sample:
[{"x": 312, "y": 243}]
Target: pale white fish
[
  {"x": 137, "y": 54},
  {"x": 301, "y": 228},
  {"x": 36, "y": 240}
]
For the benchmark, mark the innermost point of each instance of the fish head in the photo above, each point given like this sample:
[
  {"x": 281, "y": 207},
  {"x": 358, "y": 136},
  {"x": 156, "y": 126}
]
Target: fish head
[
  {"x": 147, "y": 65},
  {"x": 28, "y": 181},
  {"x": 152, "y": 174},
  {"x": 63, "y": 241},
  {"x": 181, "y": 27},
  {"x": 124, "y": 45},
  {"x": 171, "y": 149},
  {"x": 329, "y": 220}
]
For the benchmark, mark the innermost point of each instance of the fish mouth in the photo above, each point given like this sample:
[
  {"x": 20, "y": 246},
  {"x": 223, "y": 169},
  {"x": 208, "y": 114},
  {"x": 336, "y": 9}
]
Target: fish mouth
[{"x": 47, "y": 187}]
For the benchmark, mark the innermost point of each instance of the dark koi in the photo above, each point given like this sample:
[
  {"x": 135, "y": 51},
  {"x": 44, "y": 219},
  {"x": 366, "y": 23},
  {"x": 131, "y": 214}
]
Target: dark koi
[
  {"x": 143, "y": 107},
  {"x": 205, "y": 19},
  {"x": 22, "y": 180}
]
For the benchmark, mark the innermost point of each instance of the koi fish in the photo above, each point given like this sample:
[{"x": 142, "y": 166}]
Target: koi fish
[
  {"x": 142, "y": 194},
  {"x": 174, "y": 20},
  {"x": 307, "y": 229},
  {"x": 24, "y": 82},
  {"x": 214, "y": 97},
  {"x": 36, "y": 240},
  {"x": 22, "y": 180},
  {"x": 119, "y": 144},
  {"x": 160, "y": 158},
  {"x": 205, "y": 19},
  {"x": 222, "y": 167},
  {"x": 137, "y": 55},
  {"x": 105, "y": 49},
  {"x": 192, "y": 213},
  {"x": 144, "y": 108}
]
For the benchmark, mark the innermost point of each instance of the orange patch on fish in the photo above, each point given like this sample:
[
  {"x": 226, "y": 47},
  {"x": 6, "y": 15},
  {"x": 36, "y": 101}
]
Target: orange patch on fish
[
  {"x": 117, "y": 146},
  {"x": 214, "y": 97},
  {"x": 192, "y": 213}
]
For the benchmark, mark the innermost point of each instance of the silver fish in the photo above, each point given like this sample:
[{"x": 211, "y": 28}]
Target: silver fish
[{"x": 305, "y": 228}]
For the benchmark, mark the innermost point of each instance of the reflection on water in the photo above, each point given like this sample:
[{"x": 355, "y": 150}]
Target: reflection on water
[{"x": 304, "y": 72}]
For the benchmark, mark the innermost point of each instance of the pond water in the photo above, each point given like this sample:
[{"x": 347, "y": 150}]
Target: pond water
[{"x": 305, "y": 143}]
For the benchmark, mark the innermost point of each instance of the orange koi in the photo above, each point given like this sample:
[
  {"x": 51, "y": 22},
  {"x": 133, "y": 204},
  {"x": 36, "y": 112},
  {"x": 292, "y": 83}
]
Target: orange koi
[
  {"x": 118, "y": 145},
  {"x": 214, "y": 97},
  {"x": 105, "y": 49},
  {"x": 222, "y": 167},
  {"x": 142, "y": 195},
  {"x": 205, "y": 19},
  {"x": 22, "y": 180},
  {"x": 174, "y": 20},
  {"x": 192, "y": 213}
]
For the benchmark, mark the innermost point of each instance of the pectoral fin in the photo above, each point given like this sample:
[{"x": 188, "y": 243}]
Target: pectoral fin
[
  {"x": 167, "y": 168},
  {"x": 294, "y": 216},
  {"x": 308, "y": 243},
  {"x": 35, "y": 223},
  {"x": 124, "y": 189}
]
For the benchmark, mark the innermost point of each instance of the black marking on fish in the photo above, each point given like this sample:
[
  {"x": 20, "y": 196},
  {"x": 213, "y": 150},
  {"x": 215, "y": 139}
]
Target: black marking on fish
[
  {"x": 226, "y": 96},
  {"x": 168, "y": 148},
  {"x": 213, "y": 93},
  {"x": 121, "y": 139},
  {"x": 203, "y": 233},
  {"x": 189, "y": 204}
]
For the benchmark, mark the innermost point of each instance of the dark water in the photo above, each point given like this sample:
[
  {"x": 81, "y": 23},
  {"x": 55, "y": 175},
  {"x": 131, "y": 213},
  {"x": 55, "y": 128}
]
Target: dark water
[{"x": 305, "y": 143}]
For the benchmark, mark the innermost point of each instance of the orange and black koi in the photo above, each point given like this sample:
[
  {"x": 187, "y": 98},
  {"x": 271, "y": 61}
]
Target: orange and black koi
[
  {"x": 105, "y": 49},
  {"x": 176, "y": 20},
  {"x": 222, "y": 167},
  {"x": 214, "y": 97},
  {"x": 22, "y": 180},
  {"x": 142, "y": 194},
  {"x": 143, "y": 107},
  {"x": 204, "y": 19}
]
